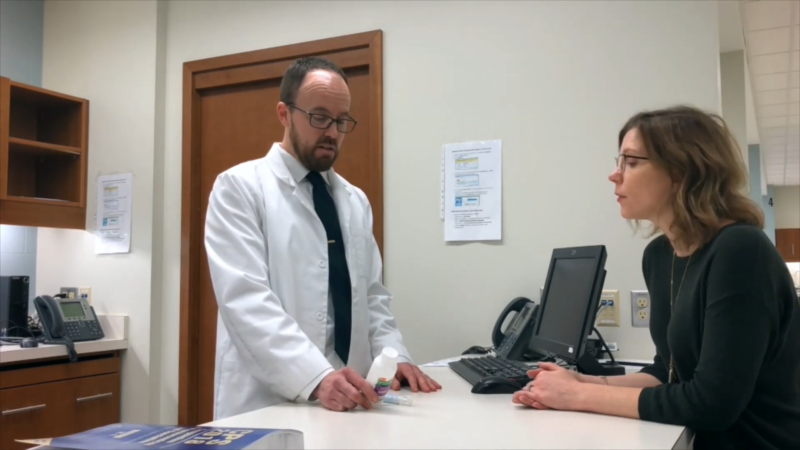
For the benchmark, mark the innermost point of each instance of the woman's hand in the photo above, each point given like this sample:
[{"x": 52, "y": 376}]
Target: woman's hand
[{"x": 552, "y": 387}]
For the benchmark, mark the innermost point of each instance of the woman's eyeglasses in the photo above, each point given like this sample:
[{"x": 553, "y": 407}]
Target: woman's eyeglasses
[{"x": 622, "y": 161}]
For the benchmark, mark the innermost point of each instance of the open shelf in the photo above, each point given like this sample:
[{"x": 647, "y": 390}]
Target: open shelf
[
  {"x": 41, "y": 148},
  {"x": 43, "y": 157},
  {"x": 44, "y": 174},
  {"x": 38, "y": 116}
]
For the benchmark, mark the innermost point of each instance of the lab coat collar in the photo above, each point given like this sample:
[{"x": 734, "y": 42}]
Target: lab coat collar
[
  {"x": 296, "y": 169},
  {"x": 280, "y": 162}
]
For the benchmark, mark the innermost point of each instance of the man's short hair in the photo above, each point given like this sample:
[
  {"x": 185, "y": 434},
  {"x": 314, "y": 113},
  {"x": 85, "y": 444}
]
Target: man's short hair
[{"x": 296, "y": 73}]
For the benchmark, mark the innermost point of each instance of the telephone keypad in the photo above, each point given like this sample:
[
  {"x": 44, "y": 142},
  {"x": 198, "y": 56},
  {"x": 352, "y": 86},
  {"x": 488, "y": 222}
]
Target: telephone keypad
[{"x": 80, "y": 330}]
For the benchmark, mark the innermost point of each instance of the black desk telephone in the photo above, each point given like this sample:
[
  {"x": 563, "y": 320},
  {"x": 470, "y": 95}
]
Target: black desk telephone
[
  {"x": 514, "y": 342},
  {"x": 67, "y": 321}
]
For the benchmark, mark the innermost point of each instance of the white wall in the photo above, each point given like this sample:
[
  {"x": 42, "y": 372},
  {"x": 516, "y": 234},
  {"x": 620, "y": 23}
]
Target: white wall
[
  {"x": 554, "y": 80},
  {"x": 734, "y": 102},
  {"x": 106, "y": 52},
  {"x": 787, "y": 206}
]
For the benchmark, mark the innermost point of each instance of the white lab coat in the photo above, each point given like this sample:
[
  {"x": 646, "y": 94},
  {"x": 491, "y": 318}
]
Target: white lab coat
[{"x": 268, "y": 259}]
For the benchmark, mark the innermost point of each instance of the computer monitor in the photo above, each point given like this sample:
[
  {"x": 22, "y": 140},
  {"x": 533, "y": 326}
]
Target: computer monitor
[{"x": 569, "y": 302}]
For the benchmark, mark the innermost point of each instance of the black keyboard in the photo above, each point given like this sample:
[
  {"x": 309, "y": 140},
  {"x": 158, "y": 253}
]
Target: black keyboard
[{"x": 476, "y": 369}]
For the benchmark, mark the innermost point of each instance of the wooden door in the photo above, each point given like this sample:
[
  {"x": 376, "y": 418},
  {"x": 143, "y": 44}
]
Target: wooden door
[
  {"x": 787, "y": 240},
  {"x": 229, "y": 116}
]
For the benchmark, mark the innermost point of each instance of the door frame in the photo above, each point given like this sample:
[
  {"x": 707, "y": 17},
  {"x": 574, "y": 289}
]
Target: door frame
[{"x": 238, "y": 69}]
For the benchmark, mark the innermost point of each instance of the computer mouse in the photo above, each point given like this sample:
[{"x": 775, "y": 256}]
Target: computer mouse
[
  {"x": 496, "y": 385},
  {"x": 29, "y": 343}
]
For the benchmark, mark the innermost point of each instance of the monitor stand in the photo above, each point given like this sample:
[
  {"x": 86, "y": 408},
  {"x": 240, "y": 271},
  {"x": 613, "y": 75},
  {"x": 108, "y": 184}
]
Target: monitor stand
[{"x": 590, "y": 366}]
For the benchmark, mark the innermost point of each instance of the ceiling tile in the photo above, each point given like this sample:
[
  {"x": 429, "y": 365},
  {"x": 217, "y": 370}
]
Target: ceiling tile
[
  {"x": 775, "y": 63},
  {"x": 761, "y": 15},
  {"x": 774, "y": 141},
  {"x": 796, "y": 36},
  {"x": 764, "y": 42},
  {"x": 773, "y": 97},
  {"x": 794, "y": 96},
  {"x": 795, "y": 59},
  {"x": 796, "y": 19},
  {"x": 794, "y": 120},
  {"x": 794, "y": 109},
  {"x": 773, "y": 110},
  {"x": 794, "y": 79},
  {"x": 771, "y": 82},
  {"x": 767, "y": 132},
  {"x": 770, "y": 122}
]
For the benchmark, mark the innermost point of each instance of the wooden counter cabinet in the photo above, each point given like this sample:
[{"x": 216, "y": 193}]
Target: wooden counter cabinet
[
  {"x": 53, "y": 398},
  {"x": 43, "y": 157}
]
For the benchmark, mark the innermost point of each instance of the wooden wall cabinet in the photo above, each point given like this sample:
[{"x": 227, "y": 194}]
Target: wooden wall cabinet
[
  {"x": 43, "y": 157},
  {"x": 787, "y": 240},
  {"x": 56, "y": 398}
]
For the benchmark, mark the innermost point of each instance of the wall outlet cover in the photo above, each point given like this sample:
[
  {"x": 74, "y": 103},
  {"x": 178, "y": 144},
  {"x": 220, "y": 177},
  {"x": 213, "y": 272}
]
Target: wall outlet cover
[
  {"x": 72, "y": 292},
  {"x": 640, "y": 309},
  {"x": 609, "y": 316}
]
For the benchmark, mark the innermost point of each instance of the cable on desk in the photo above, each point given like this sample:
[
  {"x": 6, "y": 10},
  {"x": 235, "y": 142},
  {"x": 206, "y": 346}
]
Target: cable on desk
[{"x": 603, "y": 341}]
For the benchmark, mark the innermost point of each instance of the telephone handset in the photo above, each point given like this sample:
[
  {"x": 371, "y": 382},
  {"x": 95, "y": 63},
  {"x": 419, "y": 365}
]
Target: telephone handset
[{"x": 513, "y": 343}]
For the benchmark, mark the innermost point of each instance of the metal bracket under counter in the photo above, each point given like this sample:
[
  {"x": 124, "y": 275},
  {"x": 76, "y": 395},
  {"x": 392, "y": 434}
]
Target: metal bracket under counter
[{"x": 115, "y": 329}]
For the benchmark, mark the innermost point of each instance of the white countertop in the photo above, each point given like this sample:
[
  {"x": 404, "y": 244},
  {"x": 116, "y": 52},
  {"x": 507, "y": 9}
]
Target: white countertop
[
  {"x": 456, "y": 418},
  {"x": 115, "y": 329}
]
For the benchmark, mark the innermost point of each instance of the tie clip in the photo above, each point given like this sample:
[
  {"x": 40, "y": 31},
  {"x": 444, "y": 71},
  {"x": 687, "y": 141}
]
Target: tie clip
[{"x": 332, "y": 242}]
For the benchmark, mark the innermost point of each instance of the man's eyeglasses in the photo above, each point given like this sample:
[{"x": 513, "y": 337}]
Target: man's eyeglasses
[
  {"x": 322, "y": 121},
  {"x": 622, "y": 161}
]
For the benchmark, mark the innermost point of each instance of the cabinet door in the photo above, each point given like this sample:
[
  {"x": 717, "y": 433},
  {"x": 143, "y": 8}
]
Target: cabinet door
[
  {"x": 58, "y": 409},
  {"x": 94, "y": 402},
  {"x": 30, "y": 412},
  {"x": 787, "y": 240}
]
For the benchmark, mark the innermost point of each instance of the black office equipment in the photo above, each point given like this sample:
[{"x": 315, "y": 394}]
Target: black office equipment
[
  {"x": 70, "y": 318},
  {"x": 492, "y": 375},
  {"x": 29, "y": 343},
  {"x": 14, "y": 306},
  {"x": 569, "y": 304},
  {"x": 514, "y": 342}
]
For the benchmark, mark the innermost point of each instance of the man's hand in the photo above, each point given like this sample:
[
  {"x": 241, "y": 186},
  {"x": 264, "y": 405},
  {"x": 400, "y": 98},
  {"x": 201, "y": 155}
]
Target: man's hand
[
  {"x": 552, "y": 387},
  {"x": 415, "y": 378},
  {"x": 344, "y": 390}
]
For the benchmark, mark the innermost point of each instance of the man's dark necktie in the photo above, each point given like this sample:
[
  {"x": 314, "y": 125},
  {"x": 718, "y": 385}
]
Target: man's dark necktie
[{"x": 338, "y": 274}]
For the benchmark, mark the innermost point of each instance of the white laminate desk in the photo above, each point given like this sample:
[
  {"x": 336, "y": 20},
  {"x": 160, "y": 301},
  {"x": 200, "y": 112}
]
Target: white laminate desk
[
  {"x": 456, "y": 418},
  {"x": 115, "y": 329}
]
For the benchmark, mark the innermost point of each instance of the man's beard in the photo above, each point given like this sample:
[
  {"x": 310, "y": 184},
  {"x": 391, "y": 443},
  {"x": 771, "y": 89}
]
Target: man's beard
[{"x": 305, "y": 154}]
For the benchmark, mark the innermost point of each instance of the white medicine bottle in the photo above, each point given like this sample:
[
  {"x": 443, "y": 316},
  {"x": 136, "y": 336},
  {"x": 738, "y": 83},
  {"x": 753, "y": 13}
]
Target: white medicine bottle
[{"x": 382, "y": 372}]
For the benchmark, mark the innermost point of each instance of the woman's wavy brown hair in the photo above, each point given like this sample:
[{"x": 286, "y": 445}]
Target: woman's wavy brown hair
[{"x": 700, "y": 154}]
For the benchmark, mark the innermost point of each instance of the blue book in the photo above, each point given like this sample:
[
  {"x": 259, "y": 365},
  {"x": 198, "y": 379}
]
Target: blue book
[{"x": 126, "y": 436}]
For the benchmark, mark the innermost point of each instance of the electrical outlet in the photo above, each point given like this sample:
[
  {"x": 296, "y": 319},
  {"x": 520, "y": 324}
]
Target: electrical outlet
[
  {"x": 609, "y": 309},
  {"x": 640, "y": 309},
  {"x": 85, "y": 292},
  {"x": 72, "y": 292}
]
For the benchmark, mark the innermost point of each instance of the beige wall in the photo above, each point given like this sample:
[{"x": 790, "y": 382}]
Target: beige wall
[
  {"x": 554, "y": 80},
  {"x": 106, "y": 52},
  {"x": 787, "y": 206}
]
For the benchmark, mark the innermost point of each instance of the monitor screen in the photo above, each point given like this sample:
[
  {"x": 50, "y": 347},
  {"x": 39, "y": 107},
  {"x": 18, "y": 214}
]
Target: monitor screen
[
  {"x": 568, "y": 296},
  {"x": 72, "y": 309}
]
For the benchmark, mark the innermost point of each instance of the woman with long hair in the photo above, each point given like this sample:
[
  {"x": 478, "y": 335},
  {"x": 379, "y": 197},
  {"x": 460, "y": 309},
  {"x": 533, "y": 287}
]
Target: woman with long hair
[{"x": 725, "y": 317}]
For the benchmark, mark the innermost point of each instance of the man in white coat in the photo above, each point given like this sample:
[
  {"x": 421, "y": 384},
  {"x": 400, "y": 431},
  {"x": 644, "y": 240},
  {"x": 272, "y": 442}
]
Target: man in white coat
[{"x": 294, "y": 265}]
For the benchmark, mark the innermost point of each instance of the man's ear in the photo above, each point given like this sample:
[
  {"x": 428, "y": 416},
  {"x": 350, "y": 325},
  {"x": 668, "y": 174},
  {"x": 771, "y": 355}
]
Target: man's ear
[{"x": 283, "y": 113}]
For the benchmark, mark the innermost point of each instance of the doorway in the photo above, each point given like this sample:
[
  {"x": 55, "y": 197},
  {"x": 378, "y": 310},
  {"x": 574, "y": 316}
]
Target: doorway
[{"x": 229, "y": 117}]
